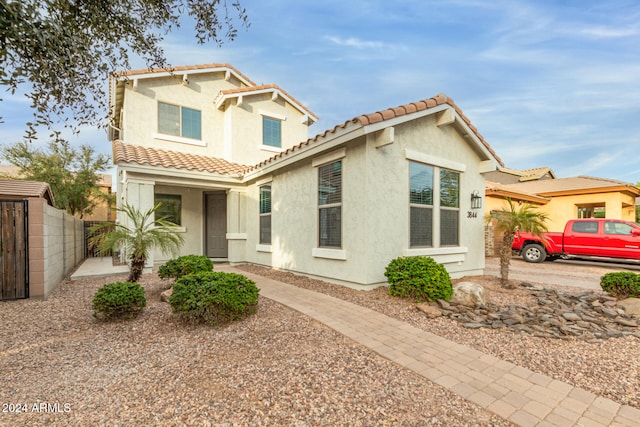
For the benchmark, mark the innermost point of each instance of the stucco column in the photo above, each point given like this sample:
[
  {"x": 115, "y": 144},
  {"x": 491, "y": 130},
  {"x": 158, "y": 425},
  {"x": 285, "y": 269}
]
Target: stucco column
[
  {"x": 236, "y": 225},
  {"x": 139, "y": 194}
]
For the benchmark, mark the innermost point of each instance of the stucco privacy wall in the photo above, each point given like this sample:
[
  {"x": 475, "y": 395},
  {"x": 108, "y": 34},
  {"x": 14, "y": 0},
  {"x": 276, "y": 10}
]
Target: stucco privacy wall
[
  {"x": 56, "y": 246},
  {"x": 375, "y": 207}
]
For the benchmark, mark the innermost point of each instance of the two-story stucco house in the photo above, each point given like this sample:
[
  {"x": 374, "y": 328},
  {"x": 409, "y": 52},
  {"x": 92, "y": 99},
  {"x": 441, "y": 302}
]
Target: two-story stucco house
[{"x": 232, "y": 164}]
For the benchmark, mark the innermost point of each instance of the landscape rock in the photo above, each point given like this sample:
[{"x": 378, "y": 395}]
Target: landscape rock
[
  {"x": 557, "y": 314},
  {"x": 430, "y": 310},
  {"x": 469, "y": 294},
  {"x": 164, "y": 296},
  {"x": 630, "y": 306}
]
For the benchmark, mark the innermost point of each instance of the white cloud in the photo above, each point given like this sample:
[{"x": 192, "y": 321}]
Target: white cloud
[{"x": 359, "y": 44}]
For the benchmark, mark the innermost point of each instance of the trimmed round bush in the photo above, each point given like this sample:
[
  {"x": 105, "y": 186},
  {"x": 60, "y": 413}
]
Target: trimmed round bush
[
  {"x": 119, "y": 300},
  {"x": 623, "y": 284},
  {"x": 187, "y": 264},
  {"x": 214, "y": 297},
  {"x": 418, "y": 278}
]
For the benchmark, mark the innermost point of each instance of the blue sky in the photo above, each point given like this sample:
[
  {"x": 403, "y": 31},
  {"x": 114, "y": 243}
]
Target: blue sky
[{"x": 547, "y": 83}]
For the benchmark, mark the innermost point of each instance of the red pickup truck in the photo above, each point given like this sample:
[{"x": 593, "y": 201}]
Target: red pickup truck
[{"x": 583, "y": 238}]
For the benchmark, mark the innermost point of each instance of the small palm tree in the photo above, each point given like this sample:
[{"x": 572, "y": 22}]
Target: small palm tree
[
  {"x": 508, "y": 222},
  {"x": 138, "y": 239}
]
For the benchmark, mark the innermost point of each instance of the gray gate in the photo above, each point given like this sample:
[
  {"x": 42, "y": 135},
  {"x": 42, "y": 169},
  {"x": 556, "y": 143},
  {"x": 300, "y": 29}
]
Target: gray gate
[{"x": 14, "y": 249}]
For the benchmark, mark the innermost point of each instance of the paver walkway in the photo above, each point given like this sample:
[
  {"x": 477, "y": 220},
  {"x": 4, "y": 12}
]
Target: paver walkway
[{"x": 515, "y": 393}]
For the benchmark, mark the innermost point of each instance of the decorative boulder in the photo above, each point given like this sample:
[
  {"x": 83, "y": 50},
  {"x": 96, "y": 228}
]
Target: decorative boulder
[
  {"x": 429, "y": 309},
  {"x": 164, "y": 296},
  {"x": 631, "y": 306},
  {"x": 469, "y": 294}
]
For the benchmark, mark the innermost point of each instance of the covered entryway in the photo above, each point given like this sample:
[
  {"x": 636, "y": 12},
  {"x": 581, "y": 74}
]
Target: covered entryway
[
  {"x": 216, "y": 245},
  {"x": 14, "y": 250}
]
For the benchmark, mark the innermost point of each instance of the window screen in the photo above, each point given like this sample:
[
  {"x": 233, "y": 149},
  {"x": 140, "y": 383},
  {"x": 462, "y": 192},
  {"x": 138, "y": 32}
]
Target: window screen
[
  {"x": 271, "y": 132},
  {"x": 330, "y": 205},
  {"x": 265, "y": 214}
]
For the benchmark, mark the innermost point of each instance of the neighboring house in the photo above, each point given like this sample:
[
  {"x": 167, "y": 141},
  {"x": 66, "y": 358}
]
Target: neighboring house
[
  {"x": 513, "y": 176},
  {"x": 563, "y": 199},
  {"x": 224, "y": 157},
  {"x": 102, "y": 211}
]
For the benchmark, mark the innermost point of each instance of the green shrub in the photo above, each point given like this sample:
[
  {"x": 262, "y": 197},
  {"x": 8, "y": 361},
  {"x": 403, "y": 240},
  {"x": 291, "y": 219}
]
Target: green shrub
[
  {"x": 119, "y": 300},
  {"x": 418, "y": 278},
  {"x": 214, "y": 297},
  {"x": 184, "y": 265},
  {"x": 621, "y": 284}
]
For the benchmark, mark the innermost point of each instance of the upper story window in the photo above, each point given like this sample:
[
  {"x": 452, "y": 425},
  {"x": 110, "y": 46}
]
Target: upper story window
[
  {"x": 271, "y": 132},
  {"x": 179, "y": 121}
]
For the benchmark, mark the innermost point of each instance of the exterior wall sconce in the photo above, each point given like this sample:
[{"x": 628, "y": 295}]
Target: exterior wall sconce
[{"x": 476, "y": 200}]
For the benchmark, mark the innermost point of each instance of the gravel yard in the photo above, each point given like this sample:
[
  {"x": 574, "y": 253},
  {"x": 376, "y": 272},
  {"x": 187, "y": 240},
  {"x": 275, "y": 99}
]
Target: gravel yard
[{"x": 277, "y": 367}]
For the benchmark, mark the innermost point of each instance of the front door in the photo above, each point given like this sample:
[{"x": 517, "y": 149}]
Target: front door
[{"x": 216, "y": 225}]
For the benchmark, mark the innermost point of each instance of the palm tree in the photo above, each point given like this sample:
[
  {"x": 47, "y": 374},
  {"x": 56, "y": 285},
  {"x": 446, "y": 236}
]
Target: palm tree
[
  {"x": 509, "y": 222},
  {"x": 138, "y": 238}
]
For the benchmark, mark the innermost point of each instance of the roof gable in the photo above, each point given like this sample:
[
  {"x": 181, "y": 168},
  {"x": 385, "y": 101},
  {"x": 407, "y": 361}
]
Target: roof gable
[{"x": 275, "y": 91}]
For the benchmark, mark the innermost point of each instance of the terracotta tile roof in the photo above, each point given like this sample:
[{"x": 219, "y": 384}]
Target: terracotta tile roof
[
  {"x": 182, "y": 68},
  {"x": 502, "y": 190},
  {"x": 173, "y": 159},
  {"x": 579, "y": 184},
  {"x": 20, "y": 189},
  {"x": 530, "y": 174},
  {"x": 387, "y": 114},
  {"x": 261, "y": 88}
]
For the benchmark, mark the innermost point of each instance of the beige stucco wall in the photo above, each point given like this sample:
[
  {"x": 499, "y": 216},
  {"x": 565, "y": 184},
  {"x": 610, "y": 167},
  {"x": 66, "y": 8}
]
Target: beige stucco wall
[
  {"x": 140, "y": 112},
  {"x": 245, "y": 122},
  {"x": 234, "y": 133},
  {"x": 375, "y": 208}
]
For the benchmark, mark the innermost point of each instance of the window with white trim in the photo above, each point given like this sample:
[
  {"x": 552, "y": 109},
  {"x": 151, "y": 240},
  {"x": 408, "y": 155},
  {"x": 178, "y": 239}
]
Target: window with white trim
[
  {"x": 271, "y": 132},
  {"x": 427, "y": 193},
  {"x": 265, "y": 214},
  {"x": 449, "y": 207},
  {"x": 179, "y": 121},
  {"x": 420, "y": 205},
  {"x": 330, "y": 205},
  {"x": 170, "y": 208}
]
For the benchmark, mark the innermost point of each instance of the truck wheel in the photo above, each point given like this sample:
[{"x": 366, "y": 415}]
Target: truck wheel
[{"x": 534, "y": 252}]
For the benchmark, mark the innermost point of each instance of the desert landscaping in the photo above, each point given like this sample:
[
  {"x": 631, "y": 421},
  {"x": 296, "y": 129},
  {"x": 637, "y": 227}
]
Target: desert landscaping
[{"x": 277, "y": 367}]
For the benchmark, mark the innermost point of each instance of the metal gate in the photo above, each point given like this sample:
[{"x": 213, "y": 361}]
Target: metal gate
[{"x": 14, "y": 249}]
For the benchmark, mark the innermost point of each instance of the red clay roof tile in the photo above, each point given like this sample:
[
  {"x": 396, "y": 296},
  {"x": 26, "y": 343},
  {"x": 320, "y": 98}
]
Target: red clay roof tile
[
  {"x": 367, "y": 119},
  {"x": 173, "y": 159},
  {"x": 166, "y": 158},
  {"x": 183, "y": 68}
]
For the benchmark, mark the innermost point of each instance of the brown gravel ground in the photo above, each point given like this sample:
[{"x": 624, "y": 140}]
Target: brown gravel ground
[
  {"x": 609, "y": 368},
  {"x": 60, "y": 367}
]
